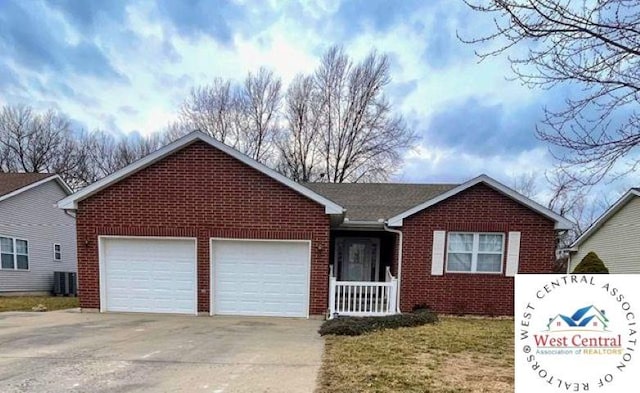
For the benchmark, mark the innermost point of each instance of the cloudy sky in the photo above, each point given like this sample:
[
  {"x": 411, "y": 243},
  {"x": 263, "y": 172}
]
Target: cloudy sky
[{"x": 125, "y": 66}]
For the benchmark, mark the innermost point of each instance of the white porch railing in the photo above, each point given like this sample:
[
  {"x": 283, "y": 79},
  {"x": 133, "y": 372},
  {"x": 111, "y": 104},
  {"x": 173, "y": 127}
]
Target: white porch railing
[{"x": 362, "y": 298}]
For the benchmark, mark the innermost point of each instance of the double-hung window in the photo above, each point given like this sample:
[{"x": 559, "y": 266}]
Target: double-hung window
[
  {"x": 57, "y": 252},
  {"x": 14, "y": 254},
  {"x": 475, "y": 252}
]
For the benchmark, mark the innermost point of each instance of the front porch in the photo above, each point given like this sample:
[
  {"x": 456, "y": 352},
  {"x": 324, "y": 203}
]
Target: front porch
[{"x": 361, "y": 282}]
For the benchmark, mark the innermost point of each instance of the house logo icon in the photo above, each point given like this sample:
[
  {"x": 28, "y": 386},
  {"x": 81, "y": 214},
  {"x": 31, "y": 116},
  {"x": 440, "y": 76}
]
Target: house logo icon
[{"x": 586, "y": 318}]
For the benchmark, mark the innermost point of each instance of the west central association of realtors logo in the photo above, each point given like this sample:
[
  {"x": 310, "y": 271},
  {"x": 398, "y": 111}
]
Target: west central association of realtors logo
[
  {"x": 575, "y": 333},
  {"x": 584, "y": 331}
]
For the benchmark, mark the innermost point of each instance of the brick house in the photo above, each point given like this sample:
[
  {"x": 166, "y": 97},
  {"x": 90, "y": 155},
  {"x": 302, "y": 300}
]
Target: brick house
[{"x": 198, "y": 227}]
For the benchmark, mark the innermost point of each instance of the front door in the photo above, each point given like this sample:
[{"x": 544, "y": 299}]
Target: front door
[{"x": 358, "y": 258}]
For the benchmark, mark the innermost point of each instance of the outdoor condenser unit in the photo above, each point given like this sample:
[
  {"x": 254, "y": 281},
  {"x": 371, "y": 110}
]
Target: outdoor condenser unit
[{"x": 64, "y": 283}]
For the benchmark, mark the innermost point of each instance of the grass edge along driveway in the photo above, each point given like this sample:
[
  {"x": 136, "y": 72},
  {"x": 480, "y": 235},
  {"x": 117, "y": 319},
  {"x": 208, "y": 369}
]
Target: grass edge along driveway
[
  {"x": 26, "y": 303},
  {"x": 453, "y": 356}
]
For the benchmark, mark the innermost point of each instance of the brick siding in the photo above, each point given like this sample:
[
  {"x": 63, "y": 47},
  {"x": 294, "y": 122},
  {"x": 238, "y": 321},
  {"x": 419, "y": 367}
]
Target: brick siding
[
  {"x": 477, "y": 209},
  {"x": 201, "y": 192}
]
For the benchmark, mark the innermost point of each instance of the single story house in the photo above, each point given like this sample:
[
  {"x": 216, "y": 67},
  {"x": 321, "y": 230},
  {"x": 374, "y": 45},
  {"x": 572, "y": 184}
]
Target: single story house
[
  {"x": 36, "y": 238},
  {"x": 198, "y": 227},
  {"x": 613, "y": 237}
]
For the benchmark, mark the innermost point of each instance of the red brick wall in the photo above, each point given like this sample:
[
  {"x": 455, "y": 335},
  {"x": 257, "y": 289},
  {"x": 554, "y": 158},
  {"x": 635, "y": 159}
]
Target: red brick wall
[
  {"x": 480, "y": 208},
  {"x": 201, "y": 192}
]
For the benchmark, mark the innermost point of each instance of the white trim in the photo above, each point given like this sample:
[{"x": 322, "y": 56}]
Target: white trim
[
  {"x": 347, "y": 224},
  {"x": 57, "y": 178},
  {"x": 102, "y": 272},
  {"x": 71, "y": 202},
  {"x": 399, "y": 272},
  {"x": 59, "y": 252},
  {"x": 474, "y": 253},
  {"x": 237, "y": 239},
  {"x": 561, "y": 222},
  {"x": 616, "y": 207},
  {"x": 15, "y": 255}
]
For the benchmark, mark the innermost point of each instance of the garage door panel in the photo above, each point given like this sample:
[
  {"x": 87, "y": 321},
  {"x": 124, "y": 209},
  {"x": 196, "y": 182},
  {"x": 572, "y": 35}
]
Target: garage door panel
[
  {"x": 149, "y": 275},
  {"x": 260, "y": 277}
]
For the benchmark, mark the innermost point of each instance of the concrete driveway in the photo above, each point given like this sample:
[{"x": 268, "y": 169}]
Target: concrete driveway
[{"x": 67, "y": 351}]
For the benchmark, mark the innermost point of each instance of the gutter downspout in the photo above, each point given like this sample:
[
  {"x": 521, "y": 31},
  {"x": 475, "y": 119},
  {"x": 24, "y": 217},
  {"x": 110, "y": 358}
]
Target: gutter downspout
[{"x": 399, "y": 233}]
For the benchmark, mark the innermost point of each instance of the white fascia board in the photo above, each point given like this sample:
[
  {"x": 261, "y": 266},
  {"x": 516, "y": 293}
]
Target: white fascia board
[
  {"x": 71, "y": 202},
  {"x": 361, "y": 224},
  {"x": 561, "y": 222},
  {"x": 57, "y": 178},
  {"x": 613, "y": 209}
]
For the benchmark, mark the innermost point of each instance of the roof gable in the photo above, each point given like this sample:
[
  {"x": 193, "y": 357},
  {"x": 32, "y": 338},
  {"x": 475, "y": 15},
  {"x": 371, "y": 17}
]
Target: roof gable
[
  {"x": 561, "y": 222},
  {"x": 12, "y": 184},
  {"x": 610, "y": 212},
  {"x": 71, "y": 202}
]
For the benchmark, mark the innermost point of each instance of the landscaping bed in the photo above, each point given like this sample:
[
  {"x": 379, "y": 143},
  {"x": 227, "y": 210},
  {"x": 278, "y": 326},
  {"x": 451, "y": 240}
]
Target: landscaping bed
[
  {"x": 27, "y": 303},
  {"x": 355, "y": 326},
  {"x": 453, "y": 356}
]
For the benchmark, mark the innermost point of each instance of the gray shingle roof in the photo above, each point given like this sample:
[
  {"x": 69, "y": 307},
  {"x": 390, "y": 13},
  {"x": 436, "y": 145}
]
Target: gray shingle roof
[
  {"x": 374, "y": 201},
  {"x": 10, "y": 182}
]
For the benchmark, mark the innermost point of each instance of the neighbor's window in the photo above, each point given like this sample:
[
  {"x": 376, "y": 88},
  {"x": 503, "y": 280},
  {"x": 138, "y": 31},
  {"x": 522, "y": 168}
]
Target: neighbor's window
[
  {"x": 475, "y": 252},
  {"x": 14, "y": 254},
  {"x": 57, "y": 252}
]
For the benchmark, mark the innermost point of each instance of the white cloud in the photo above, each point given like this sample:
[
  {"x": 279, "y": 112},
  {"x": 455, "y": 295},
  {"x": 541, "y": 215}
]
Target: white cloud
[
  {"x": 435, "y": 164},
  {"x": 462, "y": 78},
  {"x": 162, "y": 66},
  {"x": 160, "y": 80}
]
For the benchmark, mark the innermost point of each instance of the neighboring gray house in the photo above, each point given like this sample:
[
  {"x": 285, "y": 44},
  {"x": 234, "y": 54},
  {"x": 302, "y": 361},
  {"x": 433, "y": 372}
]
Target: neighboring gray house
[
  {"x": 615, "y": 237},
  {"x": 36, "y": 238}
]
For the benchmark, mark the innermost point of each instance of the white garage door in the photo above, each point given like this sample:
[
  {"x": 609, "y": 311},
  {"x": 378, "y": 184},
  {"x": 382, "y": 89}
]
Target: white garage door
[
  {"x": 149, "y": 275},
  {"x": 264, "y": 278}
]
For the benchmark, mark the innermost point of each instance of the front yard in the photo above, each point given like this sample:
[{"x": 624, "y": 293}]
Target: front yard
[
  {"x": 26, "y": 303},
  {"x": 454, "y": 356}
]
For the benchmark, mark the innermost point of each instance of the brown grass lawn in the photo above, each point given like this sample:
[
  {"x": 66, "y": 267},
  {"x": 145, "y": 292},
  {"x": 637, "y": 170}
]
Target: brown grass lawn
[
  {"x": 26, "y": 303},
  {"x": 453, "y": 356}
]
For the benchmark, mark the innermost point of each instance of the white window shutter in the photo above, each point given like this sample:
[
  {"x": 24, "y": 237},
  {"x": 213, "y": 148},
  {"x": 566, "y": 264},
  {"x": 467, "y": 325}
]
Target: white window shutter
[
  {"x": 437, "y": 258},
  {"x": 513, "y": 253}
]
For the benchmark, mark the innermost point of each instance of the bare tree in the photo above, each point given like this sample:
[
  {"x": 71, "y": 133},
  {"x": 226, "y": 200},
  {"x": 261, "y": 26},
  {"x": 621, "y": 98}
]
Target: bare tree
[
  {"x": 594, "y": 45},
  {"x": 177, "y": 129},
  {"x": 525, "y": 184},
  {"x": 361, "y": 137},
  {"x": 335, "y": 124},
  {"x": 106, "y": 153},
  {"x": 299, "y": 143},
  {"x": 242, "y": 116},
  {"x": 259, "y": 103},
  {"x": 576, "y": 202},
  {"x": 212, "y": 109},
  {"x": 37, "y": 142}
]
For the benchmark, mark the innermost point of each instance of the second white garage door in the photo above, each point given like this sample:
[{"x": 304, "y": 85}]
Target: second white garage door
[
  {"x": 148, "y": 275},
  {"x": 261, "y": 278}
]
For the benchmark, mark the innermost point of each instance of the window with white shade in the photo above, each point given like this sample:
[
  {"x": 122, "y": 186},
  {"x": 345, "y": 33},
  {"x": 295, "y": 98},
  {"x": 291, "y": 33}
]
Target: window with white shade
[
  {"x": 14, "y": 254},
  {"x": 475, "y": 252}
]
